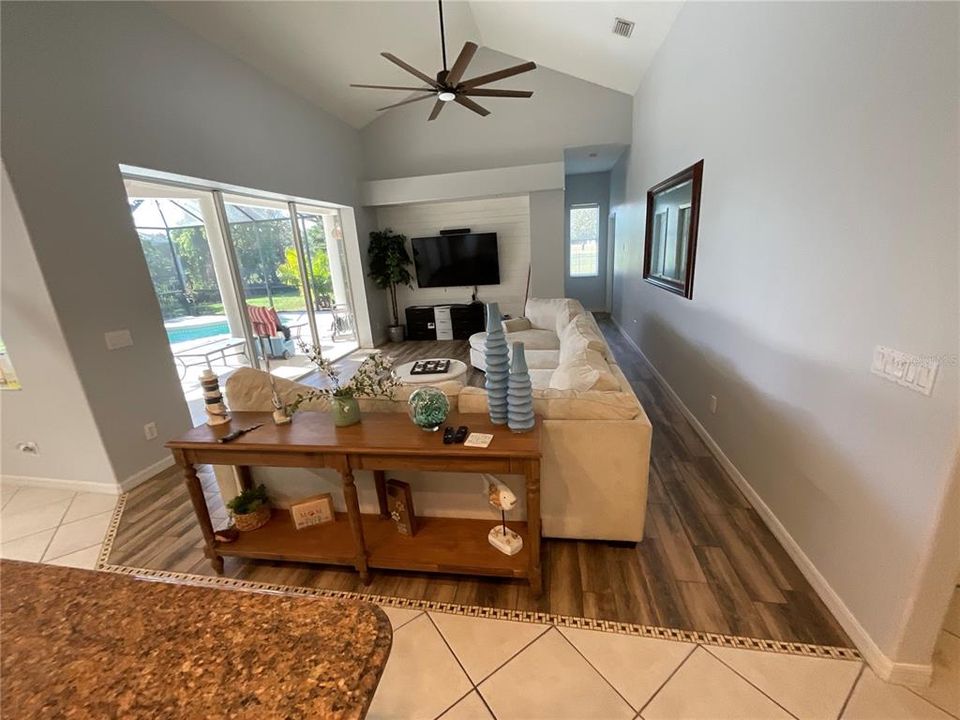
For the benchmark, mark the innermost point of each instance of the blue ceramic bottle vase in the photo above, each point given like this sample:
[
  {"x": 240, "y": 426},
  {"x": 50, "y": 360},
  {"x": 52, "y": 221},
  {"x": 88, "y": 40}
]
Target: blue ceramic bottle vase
[
  {"x": 519, "y": 393},
  {"x": 496, "y": 356}
]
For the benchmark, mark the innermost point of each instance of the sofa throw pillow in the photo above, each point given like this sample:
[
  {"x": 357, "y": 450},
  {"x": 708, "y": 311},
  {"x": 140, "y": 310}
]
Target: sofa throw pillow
[
  {"x": 516, "y": 325},
  {"x": 585, "y": 371},
  {"x": 579, "y": 333},
  {"x": 586, "y": 327},
  {"x": 551, "y": 313},
  {"x": 572, "y": 310},
  {"x": 572, "y": 345}
]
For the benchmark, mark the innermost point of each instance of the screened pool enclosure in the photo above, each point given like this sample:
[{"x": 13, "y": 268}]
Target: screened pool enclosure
[{"x": 243, "y": 280}]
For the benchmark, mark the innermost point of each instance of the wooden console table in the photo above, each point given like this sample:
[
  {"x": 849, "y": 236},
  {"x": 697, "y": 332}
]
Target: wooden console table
[{"x": 383, "y": 441}]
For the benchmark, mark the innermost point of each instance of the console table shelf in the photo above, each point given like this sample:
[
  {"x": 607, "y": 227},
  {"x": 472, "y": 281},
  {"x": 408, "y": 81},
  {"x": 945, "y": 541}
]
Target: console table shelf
[
  {"x": 382, "y": 442},
  {"x": 449, "y": 545}
]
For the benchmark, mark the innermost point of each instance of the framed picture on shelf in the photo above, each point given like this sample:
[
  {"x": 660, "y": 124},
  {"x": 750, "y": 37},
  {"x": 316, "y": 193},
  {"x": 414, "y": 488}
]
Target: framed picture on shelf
[
  {"x": 311, "y": 511},
  {"x": 400, "y": 503}
]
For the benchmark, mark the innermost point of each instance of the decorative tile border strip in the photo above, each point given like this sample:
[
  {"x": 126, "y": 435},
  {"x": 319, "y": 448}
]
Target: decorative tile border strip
[{"x": 611, "y": 626}]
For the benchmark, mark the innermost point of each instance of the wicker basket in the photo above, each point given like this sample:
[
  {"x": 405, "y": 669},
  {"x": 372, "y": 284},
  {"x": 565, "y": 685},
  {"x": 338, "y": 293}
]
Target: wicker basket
[{"x": 251, "y": 521}]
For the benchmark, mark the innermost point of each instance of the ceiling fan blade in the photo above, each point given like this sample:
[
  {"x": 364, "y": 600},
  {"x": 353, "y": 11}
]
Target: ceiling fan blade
[
  {"x": 411, "y": 69},
  {"x": 408, "y": 100},
  {"x": 468, "y": 103},
  {"x": 498, "y": 75},
  {"x": 480, "y": 92},
  {"x": 393, "y": 87},
  {"x": 436, "y": 110},
  {"x": 460, "y": 66}
]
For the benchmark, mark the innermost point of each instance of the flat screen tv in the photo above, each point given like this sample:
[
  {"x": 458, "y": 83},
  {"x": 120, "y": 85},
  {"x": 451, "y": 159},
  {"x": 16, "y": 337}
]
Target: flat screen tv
[{"x": 452, "y": 260}]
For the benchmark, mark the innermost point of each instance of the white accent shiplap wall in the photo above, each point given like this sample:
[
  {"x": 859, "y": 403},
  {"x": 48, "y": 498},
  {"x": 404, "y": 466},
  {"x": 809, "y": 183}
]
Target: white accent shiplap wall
[{"x": 508, "y": 217}]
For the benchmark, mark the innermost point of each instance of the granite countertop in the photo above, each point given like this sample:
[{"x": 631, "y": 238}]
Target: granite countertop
[{"x": 78, "y": 643}]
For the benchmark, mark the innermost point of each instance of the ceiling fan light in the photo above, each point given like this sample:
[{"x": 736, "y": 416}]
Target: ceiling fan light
[{"x": 446, "y": 96}]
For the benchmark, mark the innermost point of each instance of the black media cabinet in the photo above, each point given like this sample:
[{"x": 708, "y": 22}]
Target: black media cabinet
[{"x": 466, "y": 319}]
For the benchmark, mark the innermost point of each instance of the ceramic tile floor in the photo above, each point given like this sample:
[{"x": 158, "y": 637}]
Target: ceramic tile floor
[
  {"x": 457, "y": 667},
  {"x": 60, "y": 527}
]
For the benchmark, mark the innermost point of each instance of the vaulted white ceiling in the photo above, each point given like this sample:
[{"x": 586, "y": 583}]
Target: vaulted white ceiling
[{"x": 317, "y": 49}]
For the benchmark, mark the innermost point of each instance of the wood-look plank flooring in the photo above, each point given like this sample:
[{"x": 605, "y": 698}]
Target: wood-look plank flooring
[{"x": 707, "y": 563}]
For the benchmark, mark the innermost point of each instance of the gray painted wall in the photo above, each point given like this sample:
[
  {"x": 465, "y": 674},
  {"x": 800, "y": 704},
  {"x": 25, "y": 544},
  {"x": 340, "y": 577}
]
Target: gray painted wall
[
  {"x": 87, "y": 86},
  {"x": 564, "y": 112},
  {"x": 618, "y": 196},
  {"x": 829, "y": 225},
  {"x": 50, "y": 409},
  {"x": 581, "y": 189},
  {"x": 546, "y": 244}
]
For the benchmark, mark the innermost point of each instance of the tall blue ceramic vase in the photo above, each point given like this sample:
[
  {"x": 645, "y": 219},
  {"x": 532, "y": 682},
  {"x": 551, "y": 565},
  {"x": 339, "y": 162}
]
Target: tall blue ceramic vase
[
  {"x": 498, "y": 366},
  {"x": 519, "y": 393}
]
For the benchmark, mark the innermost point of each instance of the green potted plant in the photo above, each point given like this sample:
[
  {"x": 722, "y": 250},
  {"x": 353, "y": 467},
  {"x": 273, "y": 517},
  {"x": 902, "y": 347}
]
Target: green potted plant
[
  {"x": 372, "y": 379},
  {"x": 388, "y": 268},
  {"x": 250, "y": 509}
]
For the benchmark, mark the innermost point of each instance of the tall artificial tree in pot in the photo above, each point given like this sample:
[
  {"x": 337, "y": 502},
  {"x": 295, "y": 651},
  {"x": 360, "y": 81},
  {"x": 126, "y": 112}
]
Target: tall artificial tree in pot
[{"x": 388, "y": 268}]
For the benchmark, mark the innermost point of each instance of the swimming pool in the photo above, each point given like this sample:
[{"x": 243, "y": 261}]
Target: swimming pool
[{"x": 197, "y": 332}]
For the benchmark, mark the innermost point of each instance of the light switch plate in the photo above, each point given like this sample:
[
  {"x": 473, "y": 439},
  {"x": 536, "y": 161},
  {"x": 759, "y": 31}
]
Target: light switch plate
[
  {"x": 911, "y": 371},
  {"x": 117, "y": 339}
]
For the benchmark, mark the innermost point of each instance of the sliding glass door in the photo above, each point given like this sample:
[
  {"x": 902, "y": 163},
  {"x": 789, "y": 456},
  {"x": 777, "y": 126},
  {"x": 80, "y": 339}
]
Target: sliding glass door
[
  {"x": 321, "y": 237},
  {"x": 182, "y": 244},
  {"x": 261, "y": 235},
  {"x": 243, "y": 280}
]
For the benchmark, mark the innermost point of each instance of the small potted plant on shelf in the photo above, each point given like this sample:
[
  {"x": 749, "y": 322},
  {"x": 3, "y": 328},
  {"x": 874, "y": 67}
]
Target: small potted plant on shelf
[
  {"x": 388, "y": 268},
  {"x": 374, "y": 378},
  {"x": 250, "y": 509}
]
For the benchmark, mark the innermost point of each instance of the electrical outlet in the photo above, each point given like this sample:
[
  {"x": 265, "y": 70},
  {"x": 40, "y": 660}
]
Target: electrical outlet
[
  {"x": 28, "y": 448},
  {"x": 713, "y": 404},
  {"x": 150, "y": 431}
]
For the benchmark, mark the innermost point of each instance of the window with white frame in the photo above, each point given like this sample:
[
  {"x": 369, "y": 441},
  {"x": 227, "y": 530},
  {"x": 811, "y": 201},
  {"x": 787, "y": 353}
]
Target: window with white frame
[{"x": 585, "y": 240}]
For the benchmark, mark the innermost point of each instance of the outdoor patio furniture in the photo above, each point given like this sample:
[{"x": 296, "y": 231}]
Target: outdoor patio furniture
[
  {"x": 343, "y": 325},
  {"x": 204, "y": 353},
  {"x": 266, "y": 326},
  {"x": 297, "y": 325}
]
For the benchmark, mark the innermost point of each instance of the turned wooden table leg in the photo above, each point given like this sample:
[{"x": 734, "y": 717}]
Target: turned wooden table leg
[
  {"x": 203, "y": 514},
  {"x": 380, "y": 480},
  {"x": 244, "y": 476},
  {"x": 533, "y": 527},
  {"x": 356, "y": 523}
]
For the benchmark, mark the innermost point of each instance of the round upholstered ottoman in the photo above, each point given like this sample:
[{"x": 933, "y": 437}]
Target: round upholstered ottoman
[{"x": 477, "y": 341}]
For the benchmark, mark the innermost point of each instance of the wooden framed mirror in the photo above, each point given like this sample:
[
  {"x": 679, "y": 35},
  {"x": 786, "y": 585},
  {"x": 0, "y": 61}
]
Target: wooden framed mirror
[{"x": 670, "y": 244}]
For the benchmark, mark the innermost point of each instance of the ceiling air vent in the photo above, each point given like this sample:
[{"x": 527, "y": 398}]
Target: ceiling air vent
[{"x": 623, "y": 28}]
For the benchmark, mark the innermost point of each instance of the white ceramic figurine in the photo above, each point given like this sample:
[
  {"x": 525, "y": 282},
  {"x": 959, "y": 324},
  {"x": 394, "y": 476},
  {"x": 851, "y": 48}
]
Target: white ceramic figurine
[{"x": 502, "y": 498}]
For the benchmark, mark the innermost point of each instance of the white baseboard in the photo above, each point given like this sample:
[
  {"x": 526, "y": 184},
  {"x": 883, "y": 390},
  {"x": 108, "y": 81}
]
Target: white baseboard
[
  {"x": 87, "y": 486},
  {"x": 143, "y": 475},
  {"x": 883, "y": 666}
]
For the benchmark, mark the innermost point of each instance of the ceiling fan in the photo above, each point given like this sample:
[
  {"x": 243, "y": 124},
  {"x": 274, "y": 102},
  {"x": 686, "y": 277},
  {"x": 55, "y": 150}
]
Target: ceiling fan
[{"x": 449, "y": 85}]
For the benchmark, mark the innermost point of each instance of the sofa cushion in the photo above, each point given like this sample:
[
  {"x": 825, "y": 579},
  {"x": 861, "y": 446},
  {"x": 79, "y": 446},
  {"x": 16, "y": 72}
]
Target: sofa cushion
[
  {"x": 249, "y": 389},
  {"x": 535, "y": 339},
  {"x": 532, "y": 339},
  {"x": 565, "y": 404},
  {"x": 587, "y": 370},
  {"x": 551, "y": 314},
  {"x": 540, "y": 378},
  {"x": 516, "y": 325},
  {"x": 542, "y": 359},
  {"x": 583, "y": 328}
]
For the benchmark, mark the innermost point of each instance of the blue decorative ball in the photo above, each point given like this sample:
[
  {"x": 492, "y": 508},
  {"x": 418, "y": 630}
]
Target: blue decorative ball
[{"x": 428, "y": 408}]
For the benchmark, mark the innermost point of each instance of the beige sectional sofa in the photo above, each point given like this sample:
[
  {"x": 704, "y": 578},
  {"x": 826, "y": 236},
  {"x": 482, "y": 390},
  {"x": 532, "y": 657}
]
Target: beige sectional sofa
[{"x": 596, "y": 436}]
